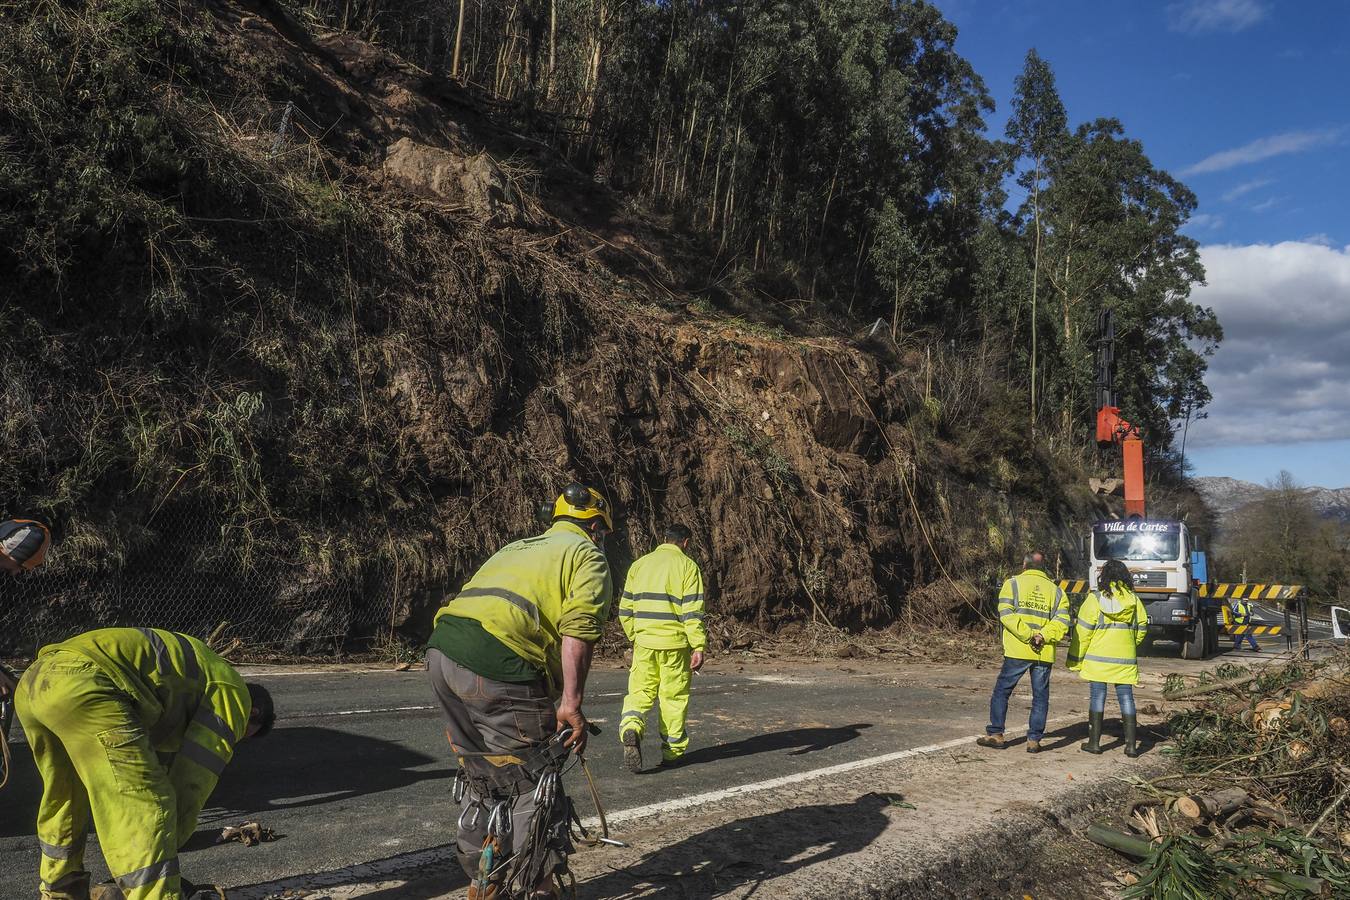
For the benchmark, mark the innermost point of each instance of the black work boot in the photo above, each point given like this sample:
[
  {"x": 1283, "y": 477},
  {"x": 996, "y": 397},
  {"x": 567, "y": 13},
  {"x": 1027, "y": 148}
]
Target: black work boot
[
  {"x": 1130, "y": 725},
  {"x": 1094, "y": 741},
  {"x": 632, "y": 751}
]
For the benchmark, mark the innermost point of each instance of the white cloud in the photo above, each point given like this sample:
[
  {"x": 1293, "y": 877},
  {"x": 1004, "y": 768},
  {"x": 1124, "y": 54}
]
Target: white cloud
[
  {"x": 1263, "y": 148},
  {"x": 1197, "y": 16},
  {"x": 1206, "y": 221},
  {"x": 1267, "y": 205},
  {"x": 1282, "y": 372},
  {"x": 1245, "y": 188}
]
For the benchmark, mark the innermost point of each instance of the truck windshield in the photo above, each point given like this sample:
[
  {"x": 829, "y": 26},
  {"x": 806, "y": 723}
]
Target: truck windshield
[{"x": 1136, "y": 546}]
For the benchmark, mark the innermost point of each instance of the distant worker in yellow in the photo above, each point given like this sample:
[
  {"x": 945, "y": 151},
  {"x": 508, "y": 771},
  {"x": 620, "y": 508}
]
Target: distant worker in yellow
[
  {"x": 517, "y": 637},
  {"x": 1034, "y": 614},
  {"x": 661, "y": 611},
  {"x": 1112, "y": 623},
  {"x": 130, "y": 727},
  {"x": 1242, "y": 615}
]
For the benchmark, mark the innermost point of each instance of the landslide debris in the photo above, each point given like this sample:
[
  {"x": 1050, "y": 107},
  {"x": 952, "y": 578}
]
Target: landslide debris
[{"x": 276, "y": 279}]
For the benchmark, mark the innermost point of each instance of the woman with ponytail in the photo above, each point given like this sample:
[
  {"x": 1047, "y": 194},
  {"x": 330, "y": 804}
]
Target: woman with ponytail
[{"x": 1112, "y": 623}]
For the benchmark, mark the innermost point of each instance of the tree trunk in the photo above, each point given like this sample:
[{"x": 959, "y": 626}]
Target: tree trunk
[
  {"x": 1035, "y": 281},
  {"x": 1206, "y": 807},
  {"x": 552, "y": 45},
  {"x": 459, "y": 38}
]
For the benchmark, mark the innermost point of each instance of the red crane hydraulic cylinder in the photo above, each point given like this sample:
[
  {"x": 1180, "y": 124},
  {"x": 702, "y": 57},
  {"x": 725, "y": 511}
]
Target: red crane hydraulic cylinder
[{"x": 1132, "y": 449}]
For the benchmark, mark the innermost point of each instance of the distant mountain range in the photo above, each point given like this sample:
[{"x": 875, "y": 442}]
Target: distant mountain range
[{"x": 1227, "y": 494}]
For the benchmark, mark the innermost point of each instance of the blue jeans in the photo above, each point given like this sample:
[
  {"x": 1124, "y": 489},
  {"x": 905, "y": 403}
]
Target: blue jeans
[
  {"x": 1237, "y": 641},
  {"x": 1013, "y": 670},
  {"x": 1097, "y": 697}
]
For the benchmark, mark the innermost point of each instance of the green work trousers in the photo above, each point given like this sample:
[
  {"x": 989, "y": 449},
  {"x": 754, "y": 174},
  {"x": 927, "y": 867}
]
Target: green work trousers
[
  {"x": 662, "y": 675},
  {"x": 96, "y": 763}
]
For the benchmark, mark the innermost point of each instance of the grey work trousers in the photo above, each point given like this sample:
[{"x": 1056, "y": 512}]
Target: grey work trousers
[{"x": 486, "y": 716}]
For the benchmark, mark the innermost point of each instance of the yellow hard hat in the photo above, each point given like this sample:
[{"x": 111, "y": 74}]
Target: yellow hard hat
[{"x": 580, "y": 502}]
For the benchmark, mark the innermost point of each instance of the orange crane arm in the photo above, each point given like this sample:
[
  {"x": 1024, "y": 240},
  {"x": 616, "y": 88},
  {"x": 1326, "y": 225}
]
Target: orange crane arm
[{"x": 1113, "y": 429}]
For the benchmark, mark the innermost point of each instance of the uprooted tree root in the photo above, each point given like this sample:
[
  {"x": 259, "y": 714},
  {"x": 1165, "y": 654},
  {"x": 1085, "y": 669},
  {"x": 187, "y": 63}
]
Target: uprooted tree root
[{"x": 1259, "y": 807}]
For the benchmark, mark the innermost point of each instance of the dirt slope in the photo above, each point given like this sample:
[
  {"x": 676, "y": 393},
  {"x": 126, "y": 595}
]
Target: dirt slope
[{"x": 436, "y": 323}]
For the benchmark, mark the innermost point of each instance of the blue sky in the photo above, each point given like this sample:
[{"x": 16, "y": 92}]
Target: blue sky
[{"x": 1246, "y": 102}]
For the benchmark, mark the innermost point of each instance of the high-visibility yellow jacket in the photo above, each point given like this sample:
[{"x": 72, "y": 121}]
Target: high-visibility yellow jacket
[
  {"x": 662, "y": 603},
  {"x": 1109, "y": 629},
  {"x": 1031, "y": 603},
  {"x": 192, "y": 703},
  {"x": 531, "y": 593},
  {"x": 1242, "y": 612}
]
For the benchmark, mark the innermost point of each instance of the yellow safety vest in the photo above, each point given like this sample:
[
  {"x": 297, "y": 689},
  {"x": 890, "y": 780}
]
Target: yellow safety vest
[
  {"x": 531, "y": 593},
  {"x": 662, "y": 603},
  {"x": 192, "y": 703},
  {"x": 1031, "y": 603},
  {"x": 1242, "y": 612},
  {"x": 1106, "y": 635}
]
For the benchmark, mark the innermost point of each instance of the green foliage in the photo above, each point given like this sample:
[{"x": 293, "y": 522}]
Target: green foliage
[
  {"x": 1281, "y": 538},
  {"x": 1181, "y": 868}
]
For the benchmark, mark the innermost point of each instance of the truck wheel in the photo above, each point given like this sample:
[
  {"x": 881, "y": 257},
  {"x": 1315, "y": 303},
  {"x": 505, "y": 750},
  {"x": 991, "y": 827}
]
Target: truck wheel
[{"x": 1196, "y": 640}]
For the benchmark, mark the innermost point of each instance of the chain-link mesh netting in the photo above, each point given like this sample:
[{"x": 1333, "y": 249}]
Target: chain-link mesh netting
[{"x": 184, "y": 574}]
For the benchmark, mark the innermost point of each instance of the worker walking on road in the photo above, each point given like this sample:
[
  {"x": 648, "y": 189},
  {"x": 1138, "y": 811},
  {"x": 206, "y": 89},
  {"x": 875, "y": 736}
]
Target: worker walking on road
[
  {"x": 1111, "y": 624},
  {"x": 1034, "y": 615},
  {"x": 661, "y": 611},
  {"x": 1242, "y": 615},
  {"x": 518, "y": 636},
  {"x": 130, "y": 727}
]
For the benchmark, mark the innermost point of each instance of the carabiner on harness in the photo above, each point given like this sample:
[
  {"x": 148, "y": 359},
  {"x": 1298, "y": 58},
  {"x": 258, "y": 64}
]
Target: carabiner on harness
[
  {"x": 467, "y": 822},
  {"x": 499, "y": 822}
]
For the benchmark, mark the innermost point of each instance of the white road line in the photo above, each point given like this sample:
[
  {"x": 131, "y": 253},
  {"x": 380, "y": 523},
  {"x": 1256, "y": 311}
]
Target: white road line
[
  {"x": 354, "y": 712},
  {"x": 396, "y": 866},
  {"x": 283, "y": 673},
  {"x": 639, "y": 812}
]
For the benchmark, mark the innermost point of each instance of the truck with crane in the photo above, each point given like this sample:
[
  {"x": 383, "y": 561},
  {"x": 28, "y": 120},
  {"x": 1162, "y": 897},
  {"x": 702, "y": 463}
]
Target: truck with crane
[{"x": 1169, "y": 568}]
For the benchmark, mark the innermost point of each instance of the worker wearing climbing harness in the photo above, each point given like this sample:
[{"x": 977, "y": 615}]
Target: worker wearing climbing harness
[
  {"x": 1034, "y": 614},
  {"x": 1242, "y": 615},
  {"x": 130, "y": 727},
  {"x": 1112, "y": 623},
  {"x": 518, "y": 636},
  {"x": 661, "y": 611}
]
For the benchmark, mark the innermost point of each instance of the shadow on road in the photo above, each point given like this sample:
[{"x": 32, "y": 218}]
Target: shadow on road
[
  {"x": 1070, "y": 737},
  {"x": 297, "y": 767},
  {"x": 799, "y": 740},
  {"x": 748, "y": 852}
]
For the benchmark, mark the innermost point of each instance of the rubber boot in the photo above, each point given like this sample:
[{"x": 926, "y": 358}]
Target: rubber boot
[
  {"x": 1130, "y": 725},
  {"x": 71, "y": 886},
  {"x": 1094, "y": 741}
]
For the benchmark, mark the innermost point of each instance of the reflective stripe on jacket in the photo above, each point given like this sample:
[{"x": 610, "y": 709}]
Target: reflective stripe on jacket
[
  {"x": 1242, "y": 612},
  {"x": 1106, "y": 635},
  {"x": 532, "y": 592},
  {"x": 662, "y": 603},
  {"x": 1031, "y": 603},
  {"x": 192, "y": 703}
]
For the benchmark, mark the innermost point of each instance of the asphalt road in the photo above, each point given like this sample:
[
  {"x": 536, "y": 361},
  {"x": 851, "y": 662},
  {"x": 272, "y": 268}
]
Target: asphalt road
[
  {"x": 358, "y": 769},
  {"x": 1318, "y": 629}
]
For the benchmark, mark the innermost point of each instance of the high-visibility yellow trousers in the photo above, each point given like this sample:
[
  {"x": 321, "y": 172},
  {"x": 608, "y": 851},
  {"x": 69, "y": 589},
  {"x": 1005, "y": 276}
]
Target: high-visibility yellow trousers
[
  {"x": 663, "y": 675},
  {"x": 96, "y": 762}
]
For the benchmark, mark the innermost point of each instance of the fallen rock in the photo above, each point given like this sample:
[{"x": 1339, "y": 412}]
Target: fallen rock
[{"x": 475, "y": 181}]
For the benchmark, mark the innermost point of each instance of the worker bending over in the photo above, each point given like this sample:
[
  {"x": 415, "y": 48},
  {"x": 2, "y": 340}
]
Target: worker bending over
[
  {"x": 1034, "y": 615},
  {"x": 518, "y": 635},
  {"x": 661, "y": 611},
  {"x": 23, "y": 545},
  {"x": 132, "y": 727}
]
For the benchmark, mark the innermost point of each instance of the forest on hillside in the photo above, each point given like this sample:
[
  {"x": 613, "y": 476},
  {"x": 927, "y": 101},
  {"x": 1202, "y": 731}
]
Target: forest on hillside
[
  {"x": 760, "y": 266},
  {"x": 838, "y": 151}
]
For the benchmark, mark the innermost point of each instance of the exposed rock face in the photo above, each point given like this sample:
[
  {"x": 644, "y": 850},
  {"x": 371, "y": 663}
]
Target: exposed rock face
[
  {"x": 1225, "y": 495},
  {"x": 475, "y": 181}
]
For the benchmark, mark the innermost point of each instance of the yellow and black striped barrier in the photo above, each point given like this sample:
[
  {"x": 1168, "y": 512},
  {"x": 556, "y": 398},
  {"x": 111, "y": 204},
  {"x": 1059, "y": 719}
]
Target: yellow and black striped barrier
[
  {"x": 1070, "y": 586},
  {"x": 1258, "y": 630},
  {"x": 1277, "y": 592}
]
